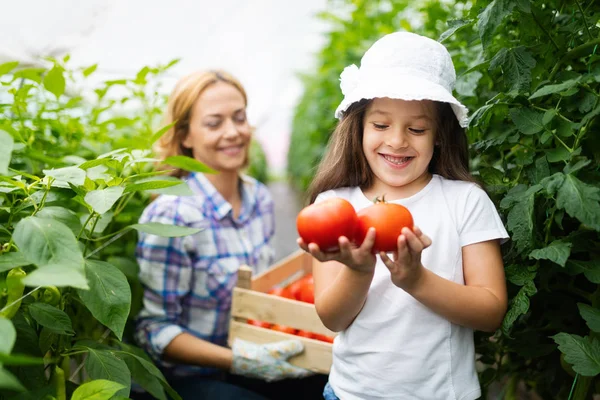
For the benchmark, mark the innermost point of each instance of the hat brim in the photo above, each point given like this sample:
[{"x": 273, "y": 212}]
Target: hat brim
[{"x": 406, "y": 88}]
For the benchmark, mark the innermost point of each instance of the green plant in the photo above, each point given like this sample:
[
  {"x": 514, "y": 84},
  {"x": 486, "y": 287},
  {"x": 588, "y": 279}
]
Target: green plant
[
  {"x": 529, "y": 71},
  {"x": 75, "y": 176}
]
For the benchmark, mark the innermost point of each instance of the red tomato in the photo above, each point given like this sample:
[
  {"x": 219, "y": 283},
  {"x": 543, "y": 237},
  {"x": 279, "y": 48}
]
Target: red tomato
[
  {"x": 323, "y": 338},
  {"x": 284, "y": 329},
  {"x": 303, "y": 289},
  {"x": 388, "y": 219},
  {"x": 262, "y": 324},
  {"x": 282, "y": 292},
  {"x": 323, "y": 223},
  {"x": 307, "y": 294},
  {"x": 305, "y": 334}
]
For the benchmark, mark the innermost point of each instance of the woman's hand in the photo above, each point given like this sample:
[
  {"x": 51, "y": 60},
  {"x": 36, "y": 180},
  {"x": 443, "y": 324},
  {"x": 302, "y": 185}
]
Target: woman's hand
[
  {"x": 405, "y": 267},
  {"x": 360, "y": 259},
  {"x": 267, "y": 361}
]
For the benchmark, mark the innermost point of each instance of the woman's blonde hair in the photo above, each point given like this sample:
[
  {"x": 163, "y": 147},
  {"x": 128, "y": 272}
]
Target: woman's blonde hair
[{"x": 179, "y": 108}]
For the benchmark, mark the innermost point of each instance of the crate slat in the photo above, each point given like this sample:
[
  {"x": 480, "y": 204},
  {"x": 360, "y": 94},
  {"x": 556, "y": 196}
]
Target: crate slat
[
  {"x": 296, "y": 262},
  {"x": 264, "y": 307},
  {"x": 316, "y": 356}
]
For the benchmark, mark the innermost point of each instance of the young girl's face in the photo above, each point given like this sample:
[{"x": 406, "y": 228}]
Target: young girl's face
[
  {"x": 398, "y": 142},
  {"x": 219, "y": 134}
]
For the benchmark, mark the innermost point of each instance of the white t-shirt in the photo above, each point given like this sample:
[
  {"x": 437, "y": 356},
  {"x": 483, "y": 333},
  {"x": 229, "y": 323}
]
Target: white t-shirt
[{"x": 397, "y": 348}]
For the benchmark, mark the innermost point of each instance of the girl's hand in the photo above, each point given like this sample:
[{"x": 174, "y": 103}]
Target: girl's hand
[
  {"x": 406, "y": 268},
  {"x": 360, "y": 259}
]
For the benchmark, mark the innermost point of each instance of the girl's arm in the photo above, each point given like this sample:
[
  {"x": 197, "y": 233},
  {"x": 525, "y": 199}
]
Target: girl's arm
[
  {"x": 340, "y": 293},
  {"x": 342, "y": 279},
  {"x": 188, "y": 349},
  {"x": 479, "y": 304}
]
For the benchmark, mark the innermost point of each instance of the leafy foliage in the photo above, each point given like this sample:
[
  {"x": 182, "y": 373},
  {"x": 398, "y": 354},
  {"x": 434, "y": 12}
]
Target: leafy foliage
[
  {"x": 529, "y": 71},
  {"x": 76, "y": 174}
]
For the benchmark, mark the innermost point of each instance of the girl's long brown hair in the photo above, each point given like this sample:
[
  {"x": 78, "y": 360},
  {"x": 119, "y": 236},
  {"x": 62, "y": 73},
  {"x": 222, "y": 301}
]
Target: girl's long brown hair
[{"x": 345, "y": 164}]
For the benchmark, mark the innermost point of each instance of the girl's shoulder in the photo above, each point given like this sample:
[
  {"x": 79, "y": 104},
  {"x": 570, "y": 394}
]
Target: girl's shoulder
[
  {"x": 351, "y": 193},
  {"x": 457, "y": 189}
]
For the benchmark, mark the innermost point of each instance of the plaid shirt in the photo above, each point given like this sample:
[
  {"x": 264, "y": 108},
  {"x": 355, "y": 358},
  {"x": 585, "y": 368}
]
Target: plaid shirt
[{"x": 188, "y": 281}]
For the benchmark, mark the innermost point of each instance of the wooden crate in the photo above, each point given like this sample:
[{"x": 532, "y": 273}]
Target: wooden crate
[{"x": 250, "y": 301}]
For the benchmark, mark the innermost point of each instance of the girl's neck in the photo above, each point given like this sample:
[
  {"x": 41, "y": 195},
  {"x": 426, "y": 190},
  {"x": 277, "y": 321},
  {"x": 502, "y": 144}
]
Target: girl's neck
[
  {"x": 227, "y": 184},
  {"x": 379, "y": 188}
]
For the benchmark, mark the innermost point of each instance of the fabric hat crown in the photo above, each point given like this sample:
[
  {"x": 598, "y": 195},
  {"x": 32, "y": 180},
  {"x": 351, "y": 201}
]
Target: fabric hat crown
[{"x": 402, "y": 65}]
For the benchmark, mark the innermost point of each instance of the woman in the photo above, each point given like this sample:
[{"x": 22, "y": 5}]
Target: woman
[{"x": 188, "y": 281}]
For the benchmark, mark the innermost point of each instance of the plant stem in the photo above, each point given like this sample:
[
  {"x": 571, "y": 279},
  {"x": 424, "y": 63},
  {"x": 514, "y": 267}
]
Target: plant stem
[
  {"x": 544, "y": 30},
  {"x": 84, "y": 225},
  {"x": 574, "y": 53},
  {"x": 584, "y": 20}
]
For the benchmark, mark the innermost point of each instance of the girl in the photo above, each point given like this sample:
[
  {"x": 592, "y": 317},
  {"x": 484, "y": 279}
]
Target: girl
[
  {"x": 188, "y": 281},
  {"x": 406, "y": 319}
]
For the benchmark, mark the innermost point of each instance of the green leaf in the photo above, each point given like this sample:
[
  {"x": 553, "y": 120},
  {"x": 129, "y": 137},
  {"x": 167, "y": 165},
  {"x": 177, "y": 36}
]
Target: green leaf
[
  {"x": 516, "y": 65},
  {"x": 454, "y": 26},
  {"x": 550, "y": 89},
  {"x": 59, "y": 275},
  {"x": 591, "y": 269},
  {"x": 466, "y": 85},
  {"x": 5, "y": 151},
  {"x": 12, "y": 260},
  {"x": 158, "y": 134},
  {"x": 520, "y": 221},
  {"x": 519, "y": 306},
  {"x": 54, "y": 81},
  {"x": 558, "y": 154},
  {"x": 67, "y": 217},
  {"x": 109, "y": 296},
  {"x": 145, "y": 374},
  {"x": 552, "y": 183},
  {"x": 188, "y": 164},
  {"x": 8, "y": 335},
  {"x": 491, "y": 17},
  {"x": 7, "y": 67},
  {"x": 564, "y": 128},
  {"x": 9, "y": 381},
  {"x": 151, "y": 185},
  {"x": 46, "y": 242},
  {"x": 569, "y": 169},
  {"x": 99, "y": 389},
  {"x": 519, "y": 274},
  {"x": 580, "y": 200},
  {"x": 541, "y": 170},
  {"x": 527, "y": 120},
  {"x": 165, "y": 230},
  {"x": 591, "y": 315},
  {"x": 581, "y": 352},
  {"x": 66, "y": 175},
  {"x": 102, "y": 200},
  {"x": 90, "y": 70},
  {"x": 181, "y": 188},
  {"x": 103, "y": 364},
  {"x": 557, "y": 252},
  {"x": 52, "y": 318}
]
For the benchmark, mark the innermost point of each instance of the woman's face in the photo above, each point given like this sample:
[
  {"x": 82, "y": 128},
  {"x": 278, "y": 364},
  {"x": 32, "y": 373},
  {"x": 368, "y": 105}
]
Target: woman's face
[
  {"x": 219, "y": 134},
  {"x": 398, "y": 142}
]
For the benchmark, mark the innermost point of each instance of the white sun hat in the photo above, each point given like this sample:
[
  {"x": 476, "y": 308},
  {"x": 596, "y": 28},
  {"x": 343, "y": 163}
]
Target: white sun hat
[{"x": 402, "y": 65}]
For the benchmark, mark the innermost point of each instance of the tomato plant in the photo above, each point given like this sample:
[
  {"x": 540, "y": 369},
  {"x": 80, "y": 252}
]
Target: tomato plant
[
  {"x": 324, "y": 222},
  {"x": 388, "y": 219}
]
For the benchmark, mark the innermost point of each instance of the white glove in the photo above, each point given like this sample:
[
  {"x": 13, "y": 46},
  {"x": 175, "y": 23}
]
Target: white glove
[{"x": 267, "y": 361}]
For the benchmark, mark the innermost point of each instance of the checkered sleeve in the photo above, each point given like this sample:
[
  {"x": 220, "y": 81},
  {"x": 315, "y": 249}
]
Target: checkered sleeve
[{"x": 166, "y": 274}]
